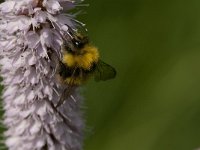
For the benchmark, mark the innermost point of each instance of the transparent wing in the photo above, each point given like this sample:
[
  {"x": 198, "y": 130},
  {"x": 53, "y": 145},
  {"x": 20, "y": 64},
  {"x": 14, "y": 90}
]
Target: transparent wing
[{"x": 104, "y": 71}]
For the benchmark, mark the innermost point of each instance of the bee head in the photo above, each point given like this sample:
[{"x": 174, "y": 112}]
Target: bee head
[
  {"x": 75, "y": 43},
  {"x": 80, "y": 41}
]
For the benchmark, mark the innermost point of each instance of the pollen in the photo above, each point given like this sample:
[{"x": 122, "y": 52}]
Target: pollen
[{"x": 88, "y": 56}]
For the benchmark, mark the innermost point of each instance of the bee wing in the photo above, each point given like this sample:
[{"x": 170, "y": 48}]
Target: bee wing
[{"x": 104, "y": 71}]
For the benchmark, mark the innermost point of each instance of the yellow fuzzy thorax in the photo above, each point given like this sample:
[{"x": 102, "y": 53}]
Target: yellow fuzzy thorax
[{"x": 84, "y": 59}]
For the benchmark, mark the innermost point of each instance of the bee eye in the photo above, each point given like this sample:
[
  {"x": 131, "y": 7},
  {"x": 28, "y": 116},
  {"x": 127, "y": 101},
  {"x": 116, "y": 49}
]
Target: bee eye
[{"x": 79, "y": 44}]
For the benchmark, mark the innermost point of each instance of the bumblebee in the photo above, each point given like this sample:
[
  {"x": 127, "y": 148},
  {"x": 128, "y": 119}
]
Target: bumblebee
[{"x": 81, "y": 61}]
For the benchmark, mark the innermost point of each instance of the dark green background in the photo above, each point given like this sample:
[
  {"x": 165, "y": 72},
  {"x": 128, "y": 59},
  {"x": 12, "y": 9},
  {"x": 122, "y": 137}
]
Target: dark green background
[{"x": 154, "y": 103}]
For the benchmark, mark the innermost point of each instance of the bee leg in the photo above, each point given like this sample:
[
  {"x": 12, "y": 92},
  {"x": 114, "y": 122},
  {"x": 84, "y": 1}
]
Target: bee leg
[
  {"x": 65, "y": 95},
  {"x": 72, "y": 97},
  {"x": 66, "y": 120},
  {"x": 61, "y": 100},
  {"x": 68, "y": 91}
]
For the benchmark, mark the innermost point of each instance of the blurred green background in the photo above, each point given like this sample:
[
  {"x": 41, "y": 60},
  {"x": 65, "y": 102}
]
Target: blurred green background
[{"x": 154, "y": 103}]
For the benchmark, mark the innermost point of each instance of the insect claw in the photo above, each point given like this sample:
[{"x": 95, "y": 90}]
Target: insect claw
[{"x": 59, "y": 103}]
